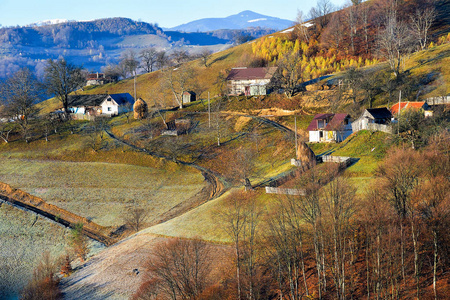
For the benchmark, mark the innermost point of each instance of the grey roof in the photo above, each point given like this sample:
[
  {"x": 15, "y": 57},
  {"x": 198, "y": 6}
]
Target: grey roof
[
  {"x": 380, "y": 113},
  {"x": 86, "y": 100},
  {"x": 97, "y": 99}
]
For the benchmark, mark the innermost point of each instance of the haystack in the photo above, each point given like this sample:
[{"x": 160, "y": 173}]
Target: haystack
[
  {"x": 140, "y": 109},
  {"x": 306, "y": 155}
]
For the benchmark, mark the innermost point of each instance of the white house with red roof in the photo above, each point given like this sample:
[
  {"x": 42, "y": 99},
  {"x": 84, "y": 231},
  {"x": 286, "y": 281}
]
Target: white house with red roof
[
  {"x": 329, "y": 128},
  {"x": 249, "y": 81}
]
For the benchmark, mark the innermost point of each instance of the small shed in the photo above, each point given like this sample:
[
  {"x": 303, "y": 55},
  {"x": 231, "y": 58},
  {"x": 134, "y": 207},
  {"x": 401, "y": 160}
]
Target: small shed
[{"x": 189, "y": 96}]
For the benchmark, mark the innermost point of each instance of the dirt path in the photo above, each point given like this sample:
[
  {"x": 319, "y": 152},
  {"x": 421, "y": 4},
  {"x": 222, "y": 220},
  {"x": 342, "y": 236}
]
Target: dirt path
[{"x": 217, "y": 185}]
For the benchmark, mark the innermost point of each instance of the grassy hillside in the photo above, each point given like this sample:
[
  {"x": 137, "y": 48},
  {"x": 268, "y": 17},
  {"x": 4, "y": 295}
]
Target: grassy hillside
[{"x": 96, "y": 185}]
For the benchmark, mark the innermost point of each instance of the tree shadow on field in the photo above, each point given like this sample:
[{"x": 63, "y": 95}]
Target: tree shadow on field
[{"x": 223, "y": 57}]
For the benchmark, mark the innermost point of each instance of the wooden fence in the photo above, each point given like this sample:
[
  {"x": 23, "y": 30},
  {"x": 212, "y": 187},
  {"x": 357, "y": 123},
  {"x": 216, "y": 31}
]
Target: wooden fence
[
  {"x": 54, "y": 213},
  {"x": 283, "y": 191},
  {"x": 357, "y": 126},
  {"x": 438, "y": 100}
]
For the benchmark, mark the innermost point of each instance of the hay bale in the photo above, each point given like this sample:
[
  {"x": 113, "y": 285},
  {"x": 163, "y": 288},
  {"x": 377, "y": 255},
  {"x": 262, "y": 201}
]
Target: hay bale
[
  {"x": 306, "y": 155},
  {"x": 140, "y": 109}
]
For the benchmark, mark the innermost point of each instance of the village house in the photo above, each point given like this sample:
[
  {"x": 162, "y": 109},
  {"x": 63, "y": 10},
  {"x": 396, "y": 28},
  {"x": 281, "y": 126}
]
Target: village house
[
  {"x": 329, "y": 128},
  {"x": 249, "y": 81},
  {"x": 100, "y": 104},
  {"x": 98, "y": 79},
  {"x": 373, "y": 119},
  {"x": 401, "y": 106}
]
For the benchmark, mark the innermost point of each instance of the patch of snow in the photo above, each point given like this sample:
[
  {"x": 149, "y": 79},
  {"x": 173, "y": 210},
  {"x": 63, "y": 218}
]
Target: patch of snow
[
  {"x": 50, "y": 22},
  {"x": 308, "y": 24},
  {"x": 257, "y": 20},
  {"x": 288, "y": 30}
]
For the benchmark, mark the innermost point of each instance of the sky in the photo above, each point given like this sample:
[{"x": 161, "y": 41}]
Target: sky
[{"x": 166, "y": 13}]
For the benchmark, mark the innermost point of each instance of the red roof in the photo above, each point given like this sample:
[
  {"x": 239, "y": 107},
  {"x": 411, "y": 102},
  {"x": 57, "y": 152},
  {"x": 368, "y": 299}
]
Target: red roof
[
  {"x": 251, "y": 73},
  {"x": 337, "y": 121},
  {"x": 403, "y": 105},
  {"x": 313, "y": 125}
]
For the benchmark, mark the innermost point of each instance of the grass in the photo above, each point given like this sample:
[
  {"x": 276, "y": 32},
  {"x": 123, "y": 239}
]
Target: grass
[
  {"x": 23, "y": 239},
  {"x": 96, "y": 185},
  {"x": 101, "y": 191},
  {"x": 368, "y": 147},
  {"x": 435, "y": 60}
]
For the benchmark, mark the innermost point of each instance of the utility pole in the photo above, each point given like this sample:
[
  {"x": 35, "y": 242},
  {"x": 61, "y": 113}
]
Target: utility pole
[
  {"x": 296, "y": 141},
  {"x": 209, "y": 111},
  {"x": 134, "y": 85},
  {"x": 398, "y": 114}
]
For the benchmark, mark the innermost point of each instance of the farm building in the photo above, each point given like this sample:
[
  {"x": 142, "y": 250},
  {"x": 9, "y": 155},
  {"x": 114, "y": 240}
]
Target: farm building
[
  {"x": 189, "y": 97},
  {"x": 329, "y": 128},
  {"x": 98, "y": 79},
  {"x": 100, "y": 104},
  {"x": 373, "y": 119},
  {"x": 249, "y": 81}
]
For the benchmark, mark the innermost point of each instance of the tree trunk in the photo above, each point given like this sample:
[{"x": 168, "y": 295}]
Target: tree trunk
[
  {"x": 435, "y": 262},
  {"x": 416, "y": 257}
]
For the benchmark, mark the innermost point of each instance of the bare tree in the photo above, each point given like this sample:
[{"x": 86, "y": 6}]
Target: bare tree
[
  {"x": 148, "y": 59},
  {"x": 135, "y": 216},
  {"x": 129, "y": 62},
  {"x": 113, "y": 71},
  {"x": 394, "y": 42},
  {"x": 204, "y": 56},
  {"x": 321, "y": 12},
  {"x": 178, "y": 269},
  {"x": 421, "y": 22},
  {"x": 179, "y": 56},
  {"x": 162, "y": 60},
  {"x": 300, "y": 25},
  {"x": 289, "y": 75},
  {"x": 44, "y": 283},
  {"x": 339, "y": 205},
  {"x": 19, "y": 93},
  {"x": 62, "y": 78},
  {"x": 286, "y": 238},
  {"x": 95, "y": 132},
  {"x": 5, "y": 130},
  {"x": 179, "y": 80}
]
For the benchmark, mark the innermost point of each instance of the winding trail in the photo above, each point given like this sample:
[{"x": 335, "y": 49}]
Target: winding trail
[{"x": 217, "y": 185}]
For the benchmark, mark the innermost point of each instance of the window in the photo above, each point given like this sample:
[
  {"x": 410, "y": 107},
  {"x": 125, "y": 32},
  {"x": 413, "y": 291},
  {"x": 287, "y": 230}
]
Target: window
[{"x": 109, "y": 109}]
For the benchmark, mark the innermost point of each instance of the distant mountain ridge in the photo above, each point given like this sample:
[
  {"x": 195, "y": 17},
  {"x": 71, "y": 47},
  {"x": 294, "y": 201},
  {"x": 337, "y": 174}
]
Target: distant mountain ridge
[
  {"x": 97, "y": 43},
  {"x": 242, "y": 20}
]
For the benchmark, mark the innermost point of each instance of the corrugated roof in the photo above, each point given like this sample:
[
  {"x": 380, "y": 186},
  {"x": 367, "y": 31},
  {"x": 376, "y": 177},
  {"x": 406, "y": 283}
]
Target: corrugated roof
[
  {"x": 86, "y": 100},
  {"x": 251, "y": 73},
  {"x": 403, "y": 105}
]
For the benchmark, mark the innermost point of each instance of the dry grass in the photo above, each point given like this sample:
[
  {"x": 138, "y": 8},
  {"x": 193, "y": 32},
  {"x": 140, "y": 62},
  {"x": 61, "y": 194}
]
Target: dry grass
[
  {"x": 101, "y": 191},
  {"x": 23, "y": 239}
]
